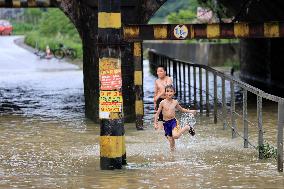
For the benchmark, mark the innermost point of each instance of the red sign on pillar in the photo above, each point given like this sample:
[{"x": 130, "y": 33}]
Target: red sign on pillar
[{"x": 110, "y": 87}]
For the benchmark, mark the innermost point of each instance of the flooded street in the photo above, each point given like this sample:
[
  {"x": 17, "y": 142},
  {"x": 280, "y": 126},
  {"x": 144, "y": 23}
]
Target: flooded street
[{"x": 46, "y": 141}]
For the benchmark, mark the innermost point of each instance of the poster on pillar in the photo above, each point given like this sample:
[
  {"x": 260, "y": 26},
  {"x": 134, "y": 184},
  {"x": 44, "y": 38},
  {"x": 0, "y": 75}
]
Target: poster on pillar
[
  {"x": 110, "y": 102},
  {"x": 110, "y": 74}
]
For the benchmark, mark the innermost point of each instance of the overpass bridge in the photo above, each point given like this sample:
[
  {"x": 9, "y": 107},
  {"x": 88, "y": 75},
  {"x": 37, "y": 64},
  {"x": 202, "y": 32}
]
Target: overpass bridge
[{"x": 112, "y": 34}]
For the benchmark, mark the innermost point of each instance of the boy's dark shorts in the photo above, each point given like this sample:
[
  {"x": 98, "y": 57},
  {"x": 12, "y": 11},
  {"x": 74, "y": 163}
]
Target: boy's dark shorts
[
  {"x": 169, "y": 126},
  {"x": 157, "y": 107}
]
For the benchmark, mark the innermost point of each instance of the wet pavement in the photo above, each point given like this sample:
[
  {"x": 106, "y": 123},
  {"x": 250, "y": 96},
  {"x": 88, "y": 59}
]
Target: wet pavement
[{"x": 46, "y": 142}]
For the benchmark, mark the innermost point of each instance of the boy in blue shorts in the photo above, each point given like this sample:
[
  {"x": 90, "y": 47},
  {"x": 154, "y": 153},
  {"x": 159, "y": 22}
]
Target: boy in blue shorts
[{"x": 168, "y": 107}]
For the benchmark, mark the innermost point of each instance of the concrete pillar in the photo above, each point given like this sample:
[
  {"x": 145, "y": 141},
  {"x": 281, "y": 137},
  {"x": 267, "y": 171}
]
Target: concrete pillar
[
  {"x": 266, "y": 56},
  {"x": 112, "y": 140},
  {"x": 138, "y": 81}
]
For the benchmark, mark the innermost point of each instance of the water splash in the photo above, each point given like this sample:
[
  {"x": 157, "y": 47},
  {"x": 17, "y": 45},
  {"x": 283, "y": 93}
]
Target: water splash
[{"x": 187, "y": 119}]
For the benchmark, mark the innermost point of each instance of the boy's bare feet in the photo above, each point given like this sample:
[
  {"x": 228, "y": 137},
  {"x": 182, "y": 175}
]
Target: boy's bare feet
[{"x": 191, "y": 131}]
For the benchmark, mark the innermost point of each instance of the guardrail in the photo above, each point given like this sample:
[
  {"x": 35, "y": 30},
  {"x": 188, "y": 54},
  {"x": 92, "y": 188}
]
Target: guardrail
[{"x": 184, "y": 72}]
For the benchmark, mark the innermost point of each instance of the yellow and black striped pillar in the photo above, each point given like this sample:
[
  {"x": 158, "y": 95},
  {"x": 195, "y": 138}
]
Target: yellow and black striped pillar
[
  {"x": 138, "y": 82},
  {"x": 112, "y": 140}
]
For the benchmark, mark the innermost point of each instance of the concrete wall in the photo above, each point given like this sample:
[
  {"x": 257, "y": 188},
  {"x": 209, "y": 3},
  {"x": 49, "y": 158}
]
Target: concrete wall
[
  {"x": 203, "y": 53},
  {"x": 262, "y": 64}
]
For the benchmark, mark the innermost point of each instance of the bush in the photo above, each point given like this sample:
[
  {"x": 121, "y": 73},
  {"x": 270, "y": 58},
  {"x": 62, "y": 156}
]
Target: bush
[
  {"x": 232, "y": 63},
  {"x": 50, "y": 28}
]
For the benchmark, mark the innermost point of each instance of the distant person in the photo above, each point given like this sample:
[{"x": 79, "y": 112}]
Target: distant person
[
  {"x": 159, "y": 91},
  {"x": 47, "y": 52},
  {"x": 168, "y": 107}
]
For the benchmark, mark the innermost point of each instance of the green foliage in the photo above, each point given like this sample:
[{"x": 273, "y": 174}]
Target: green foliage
[
  {"x": 170, "y": 7},
  {"x": 27, "y": 22},
  {"x": 20, "y": 28},
  {"x": 54, "y": 23},
  {"x": 183, "y": 16},
  {"x": 232, "y": 63},
  {"x": 184, "y": 11},
  {"x": 48, "y": 27},
  {"x": 34, "y": 37},
  {"x": 32, "y": 16},
  {"x": 268, "y": 151}
]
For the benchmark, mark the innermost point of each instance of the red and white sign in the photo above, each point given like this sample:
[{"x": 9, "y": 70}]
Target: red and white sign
[
  {"x": 110, "y": 80},
  {"x": 110, "y": 74}
]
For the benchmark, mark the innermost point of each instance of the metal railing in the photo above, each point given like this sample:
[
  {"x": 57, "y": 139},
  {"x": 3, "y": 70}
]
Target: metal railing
[{"x": 184, "y": 76}]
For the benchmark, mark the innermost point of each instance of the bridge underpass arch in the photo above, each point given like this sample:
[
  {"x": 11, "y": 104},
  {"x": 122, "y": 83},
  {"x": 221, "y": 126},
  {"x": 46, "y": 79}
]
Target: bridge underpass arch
[
  {"x": 93, "y": 40},
  {"x": 83, "y": 15}
]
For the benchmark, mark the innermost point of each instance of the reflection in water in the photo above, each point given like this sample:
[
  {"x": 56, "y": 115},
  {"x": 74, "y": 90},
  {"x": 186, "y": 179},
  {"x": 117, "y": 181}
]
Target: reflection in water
[{"x": 46, "y": 143}]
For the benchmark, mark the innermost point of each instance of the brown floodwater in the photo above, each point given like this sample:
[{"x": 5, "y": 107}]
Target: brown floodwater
[{"x": 46, "y": 142}]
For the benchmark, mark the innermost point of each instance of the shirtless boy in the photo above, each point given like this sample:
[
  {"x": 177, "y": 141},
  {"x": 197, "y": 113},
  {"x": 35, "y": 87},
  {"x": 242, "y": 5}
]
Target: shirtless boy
[
  {"x": 168, "y": 107},
  {"x": 159, "y": 91}
]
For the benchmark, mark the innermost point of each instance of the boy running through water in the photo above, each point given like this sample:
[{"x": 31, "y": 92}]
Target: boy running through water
[
  {"x": 159, "y": 91},
  {"x": 168, "y": 107}
]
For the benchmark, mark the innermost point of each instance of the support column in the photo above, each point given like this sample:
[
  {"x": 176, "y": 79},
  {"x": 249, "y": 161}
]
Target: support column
[
  {"x": 189, "y": 84},
  {"x": 245, "y": 117},
  {"x": 280, "y": 136},
  {"x": 224, "y": 104},
  {"x": 200, "y": 91},
  {"x": 260, "y": 127},
  {"x": 215, "y": 99},
  {"x": 207, "y": 94},
  {"x": 138, "y": 82},
  {"x": 194, "y": 86},
  {"x": 233, "y": 106},
  {"x": 112, "y": 140}
]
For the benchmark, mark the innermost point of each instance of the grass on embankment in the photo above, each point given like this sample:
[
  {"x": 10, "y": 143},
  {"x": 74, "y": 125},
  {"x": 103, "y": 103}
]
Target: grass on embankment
[
  {"x": 235, "y": 64},
  {"x": 51, "y": 28}
]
